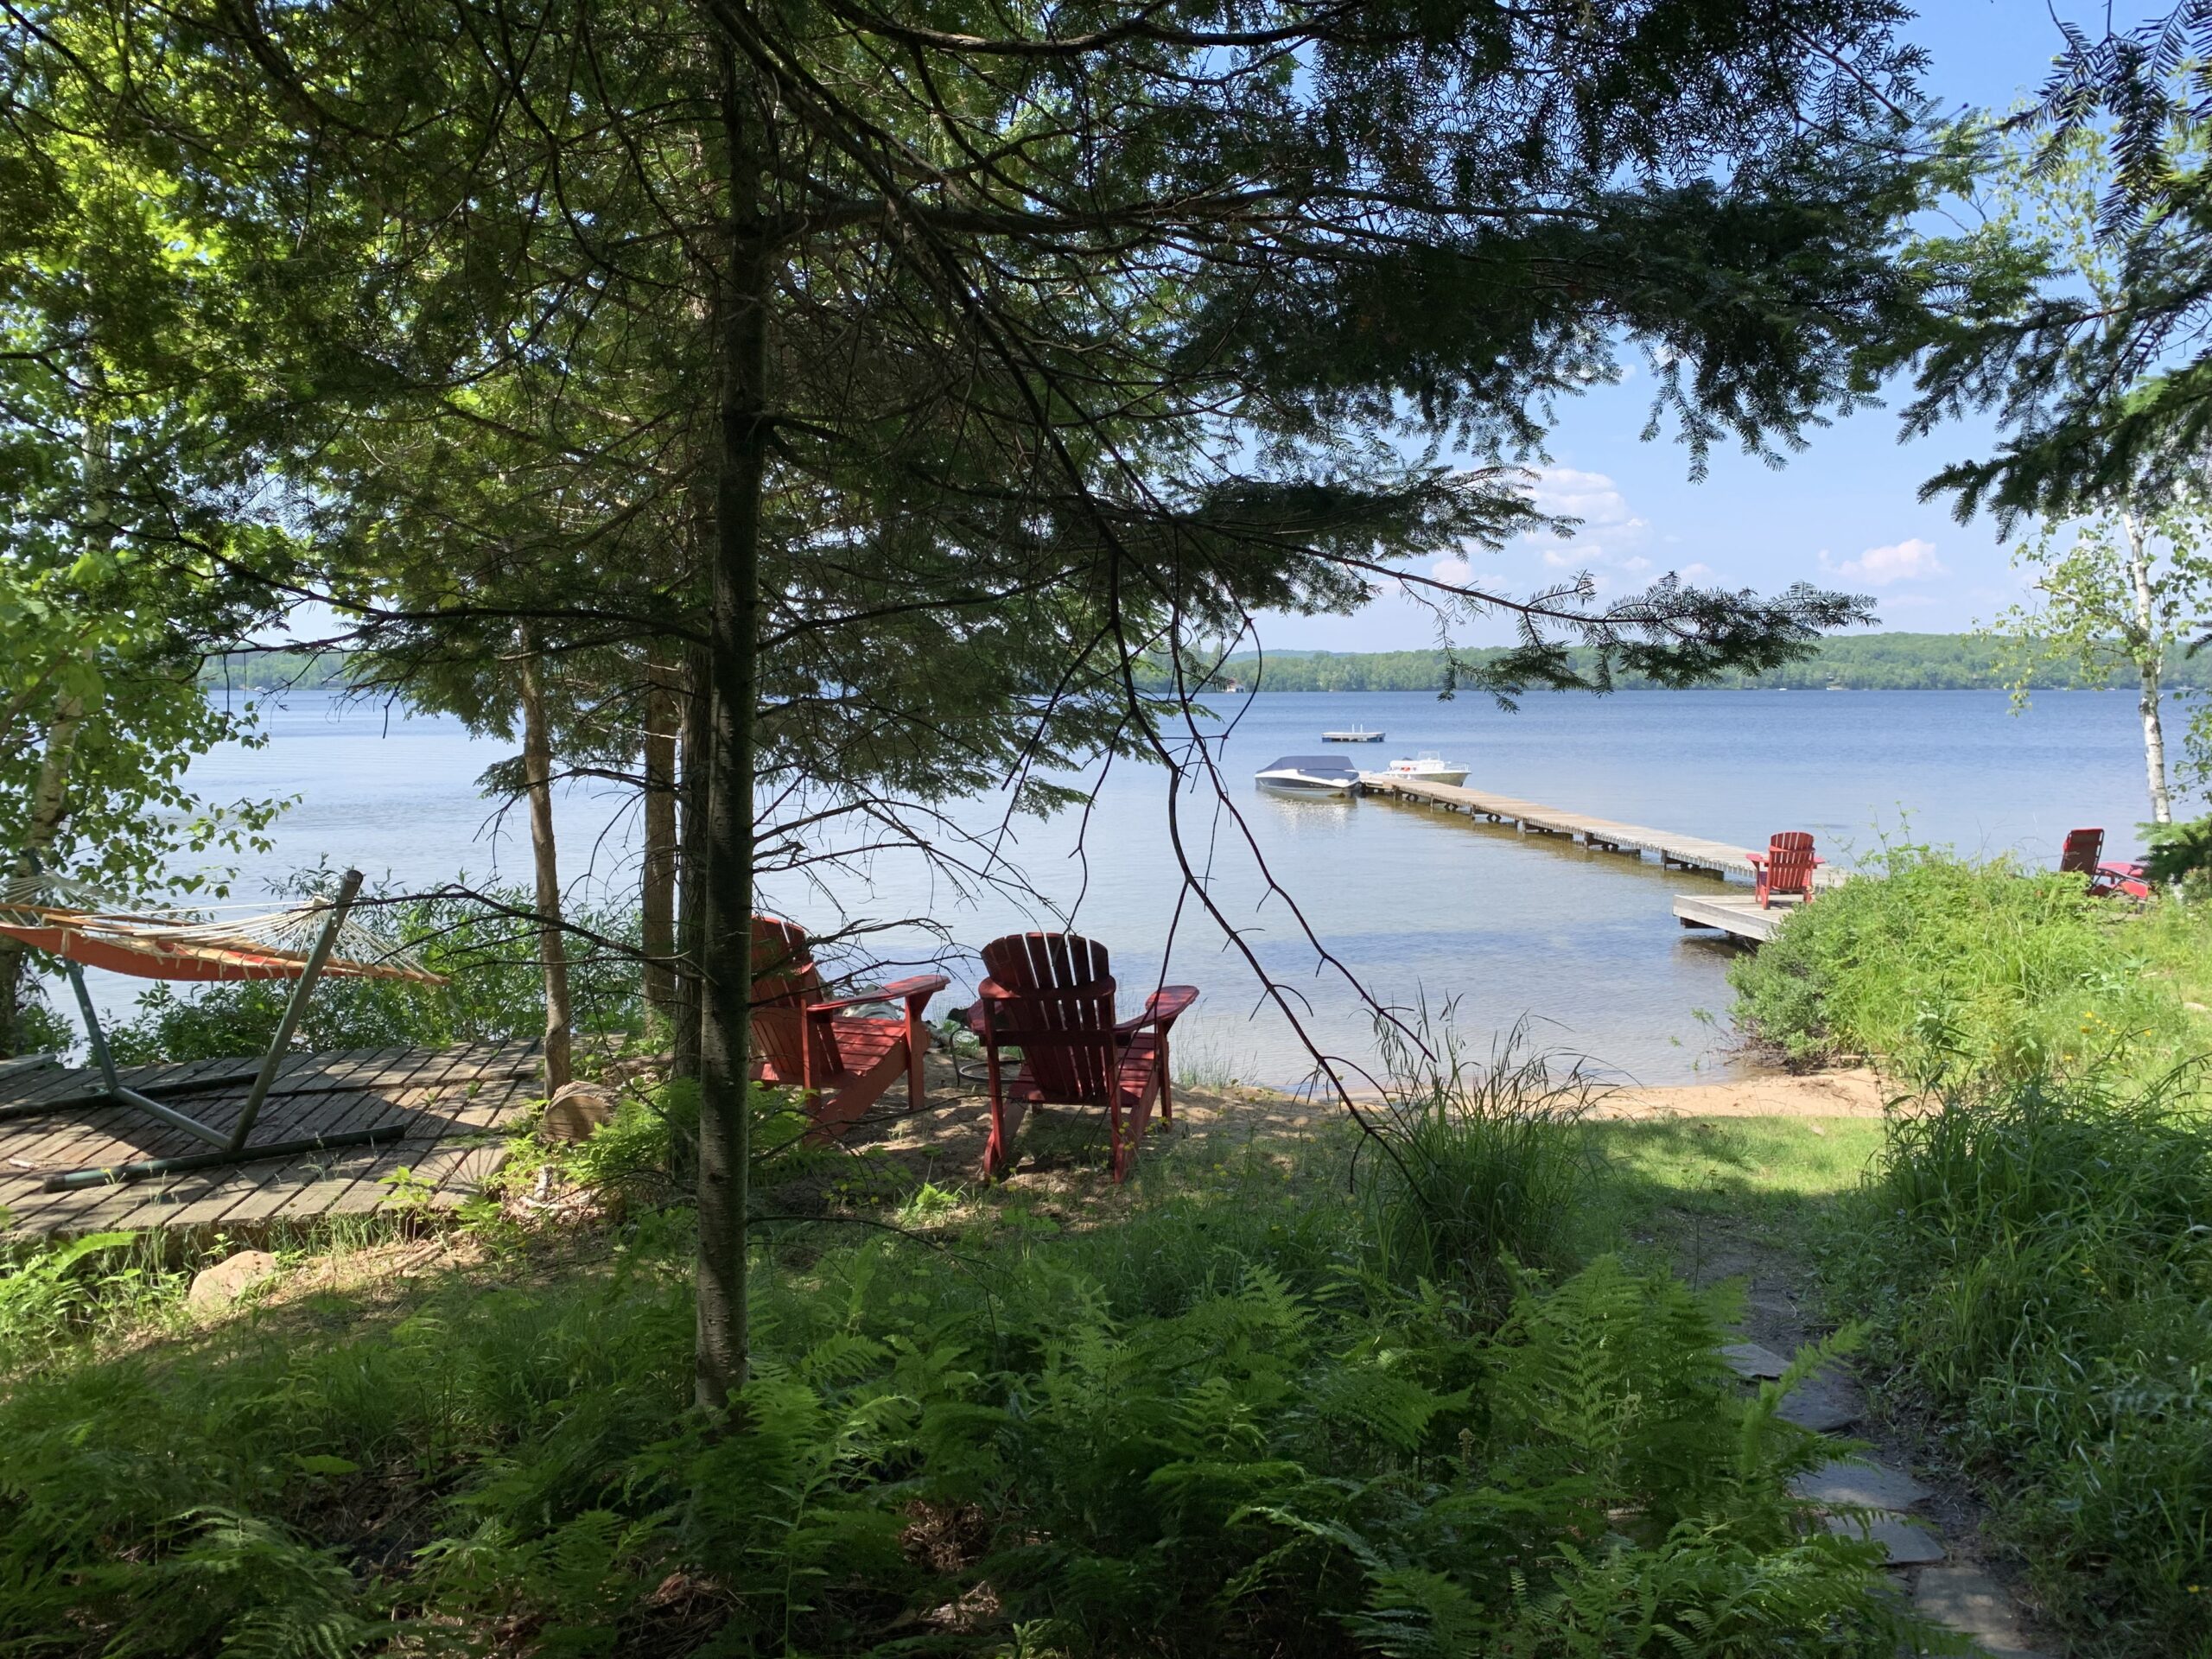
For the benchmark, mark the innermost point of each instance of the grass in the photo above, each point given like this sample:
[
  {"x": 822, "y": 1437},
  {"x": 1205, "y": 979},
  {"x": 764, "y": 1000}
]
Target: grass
[
  {"x": 2038, "y": 1259},
  {"x": 1775, "y": 1175},
  {"x": 1942, "y": 968},
  {"x": 1209, "y": 1417},
  {"x": 2033, "y": 1246}
]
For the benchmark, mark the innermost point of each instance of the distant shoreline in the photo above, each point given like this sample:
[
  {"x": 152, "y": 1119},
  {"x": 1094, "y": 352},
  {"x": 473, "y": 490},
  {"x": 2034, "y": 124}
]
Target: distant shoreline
[{"x": 1879, "y": 662}]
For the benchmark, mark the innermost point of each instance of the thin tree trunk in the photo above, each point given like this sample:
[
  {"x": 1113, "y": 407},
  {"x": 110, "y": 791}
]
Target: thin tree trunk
[
  {"x": 2148, "y": 667},
  {"x": 656, "y": 898},
  {"x": 49, "y": 809},
  {"x": 552, "y": 945},
  {"x": 724, "y": 1027},
  {"x": 692, "y": 751}
]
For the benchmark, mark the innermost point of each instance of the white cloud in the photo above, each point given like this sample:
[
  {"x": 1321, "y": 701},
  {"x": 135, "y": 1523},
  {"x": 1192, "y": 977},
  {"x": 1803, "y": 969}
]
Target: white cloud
[
  {"x": 1591, "y": 496},
  {"x": 1455, "y": 570},
  {"x": 1695, "y": 573},
  {"x": 1639, "y": 562},
  {"x": 1913, "y": 560}
]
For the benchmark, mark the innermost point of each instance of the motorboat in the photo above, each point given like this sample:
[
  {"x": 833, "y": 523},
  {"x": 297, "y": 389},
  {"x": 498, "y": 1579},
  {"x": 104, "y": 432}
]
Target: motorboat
[
  {"x": 1357, "y": 735},
  {"x": 1428, "y": 767},
  {"x": 1320, "y": 776}
]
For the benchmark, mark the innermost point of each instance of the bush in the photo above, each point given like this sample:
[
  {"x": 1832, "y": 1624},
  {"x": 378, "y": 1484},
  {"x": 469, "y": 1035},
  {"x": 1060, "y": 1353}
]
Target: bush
[
  {"x": 1206, "y": 1432},
  {"x": 496, "y": 991},
  {"x": 2041, "y": 1259},
  {"x": 1478, "y": 1165},
  {"x": 1937, "y": 966}
]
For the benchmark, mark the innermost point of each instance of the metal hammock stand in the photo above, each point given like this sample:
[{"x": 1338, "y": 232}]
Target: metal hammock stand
[{"x": 82, "y": 926}]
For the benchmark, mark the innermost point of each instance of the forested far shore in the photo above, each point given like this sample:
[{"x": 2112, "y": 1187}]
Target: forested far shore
[
  {"x": 274, "y": 671},
  {"x": 1879, "y": 662}
]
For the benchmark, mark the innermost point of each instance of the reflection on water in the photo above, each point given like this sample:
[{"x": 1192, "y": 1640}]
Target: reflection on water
[{"x": 1413, "y": 903}]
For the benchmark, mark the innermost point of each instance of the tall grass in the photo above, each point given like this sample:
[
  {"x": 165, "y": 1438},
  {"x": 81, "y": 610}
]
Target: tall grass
[
  {"x": 1942, "y": 968},
  {"x": 1484, "y": 1162},
  {"x": 2039, "y": 1257}
]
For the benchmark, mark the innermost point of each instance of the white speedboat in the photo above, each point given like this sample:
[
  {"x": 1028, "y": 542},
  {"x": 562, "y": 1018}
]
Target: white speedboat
[
  {"x": 1321, "y": 776},
  {"x": 1428, "y": 767}
]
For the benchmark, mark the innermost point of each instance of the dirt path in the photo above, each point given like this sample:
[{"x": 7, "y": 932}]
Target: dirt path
[{"x": 1967, "y": 1587}]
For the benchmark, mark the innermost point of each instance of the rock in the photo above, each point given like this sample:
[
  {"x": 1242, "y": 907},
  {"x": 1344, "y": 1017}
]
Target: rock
[
  {"x": 230, "y": 1281},
  {"x": 1869, "y": 1486},
  {"x": 1906, "y": 1545},
  {"x": 575, "y": 1111},
  {"x": 1748, "y": 1359},
  {"x": 1822, "y": 1402},
  {"x": 1966, "y": 1599}
]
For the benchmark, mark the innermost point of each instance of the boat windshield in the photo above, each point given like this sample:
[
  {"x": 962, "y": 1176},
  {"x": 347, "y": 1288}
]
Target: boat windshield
[{"x": 1315, "y": 766}]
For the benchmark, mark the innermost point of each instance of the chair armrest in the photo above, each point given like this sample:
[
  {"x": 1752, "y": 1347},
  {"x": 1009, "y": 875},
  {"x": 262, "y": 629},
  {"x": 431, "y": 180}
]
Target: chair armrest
[
  {"x": 1161, "y": 1007},
  {"x": 1758, "y": 860},
  {"x": 897, "y": 991}
]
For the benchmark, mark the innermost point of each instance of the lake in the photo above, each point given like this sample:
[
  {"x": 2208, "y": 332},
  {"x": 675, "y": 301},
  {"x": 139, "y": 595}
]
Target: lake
[{"x": 1414, "y": 904}]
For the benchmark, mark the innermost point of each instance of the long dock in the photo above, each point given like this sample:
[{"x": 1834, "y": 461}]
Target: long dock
[
  {"x": 1737, "y": 914},
  {"x": 1675, "y": 851}
]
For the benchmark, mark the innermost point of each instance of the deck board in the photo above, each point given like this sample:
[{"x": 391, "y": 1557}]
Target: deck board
[
  {"x": 451, "y": 1105},
  {"x": 1736, "y": 914}
]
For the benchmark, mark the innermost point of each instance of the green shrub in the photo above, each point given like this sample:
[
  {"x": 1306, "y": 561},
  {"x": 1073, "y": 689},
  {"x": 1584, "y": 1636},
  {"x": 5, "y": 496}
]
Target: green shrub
[
  {"x": 2040, "y": 1258},
  {"x": 1478, "y": 1163},
  {"x": 1938, "y": 967},
  {"x": 1194, "y": 1452},
  {"x": 497, "y": 990}
]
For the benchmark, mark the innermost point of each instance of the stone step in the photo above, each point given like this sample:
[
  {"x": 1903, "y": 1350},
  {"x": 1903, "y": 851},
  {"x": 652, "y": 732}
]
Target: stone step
[
  {"x": 1865, "y": 1485},
  {"x": 1748, "y": 1359},
  {"x": 1967, "y": 1600},
  {"x": 1903, "y": 1543},
  {"x": 1823, "y": 1403}
]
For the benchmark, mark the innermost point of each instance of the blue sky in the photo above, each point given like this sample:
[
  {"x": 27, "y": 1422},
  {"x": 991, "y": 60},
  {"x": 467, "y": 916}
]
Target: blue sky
[{"x": 1845, "y": 512}]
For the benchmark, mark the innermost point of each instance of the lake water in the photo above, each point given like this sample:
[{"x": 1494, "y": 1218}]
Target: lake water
[{"x": 1412, "y": 904}]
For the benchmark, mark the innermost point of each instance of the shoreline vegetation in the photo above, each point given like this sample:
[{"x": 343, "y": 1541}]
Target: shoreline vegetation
[{"x": 1876, "y": 662}]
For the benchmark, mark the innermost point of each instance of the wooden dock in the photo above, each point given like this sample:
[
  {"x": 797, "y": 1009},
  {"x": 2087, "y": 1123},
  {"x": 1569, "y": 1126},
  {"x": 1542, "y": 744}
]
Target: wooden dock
[
  {"x": 1675, "y": 851},
  {"x": 452, "y": 1106},
  {"x": 1736, "y": 914}
]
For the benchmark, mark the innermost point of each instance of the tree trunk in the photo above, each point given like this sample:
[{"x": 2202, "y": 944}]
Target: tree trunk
[
  {"x": 657, "y": 900},
  {"x": 2149, "y": 666},
  {"x": 49, "y": 809},
  {"x": 552, "y": 945},
  {"x": 691, "y": 842},
  {"x": 725, "y": 1028}
]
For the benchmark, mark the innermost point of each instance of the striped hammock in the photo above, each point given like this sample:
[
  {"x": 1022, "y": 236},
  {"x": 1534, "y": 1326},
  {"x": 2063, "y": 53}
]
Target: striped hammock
[{"x": 85, "y": 926}]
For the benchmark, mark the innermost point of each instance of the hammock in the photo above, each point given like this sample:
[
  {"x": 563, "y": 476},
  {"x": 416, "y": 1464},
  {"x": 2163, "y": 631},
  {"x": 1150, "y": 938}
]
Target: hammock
[
  {"x": 82, "y": 925},
  {"x": 87, "y": 928}
]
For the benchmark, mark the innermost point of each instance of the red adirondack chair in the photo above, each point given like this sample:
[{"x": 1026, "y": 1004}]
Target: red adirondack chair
[
  {"x": 1785, "y": 869},
  {"x": 2081, "y": 852},
  {"x": 804, "y": 1039},
  {"x": 1051, "y": 996}
]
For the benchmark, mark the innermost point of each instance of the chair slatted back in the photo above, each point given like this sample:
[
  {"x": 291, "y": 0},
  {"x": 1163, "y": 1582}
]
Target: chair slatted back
[
  {"x": 1060, "y": 1013},
  {"x": 1790, "y": 862},
  {"x": 2081, "y": 852},
  {"x": 785, "y": 980}
]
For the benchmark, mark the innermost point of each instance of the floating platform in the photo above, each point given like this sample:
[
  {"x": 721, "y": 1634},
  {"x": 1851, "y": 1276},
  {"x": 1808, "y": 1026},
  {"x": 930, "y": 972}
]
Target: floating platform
[
  {"x": 1734, "y": 914},
  {"x": 1357, "y": 736},
  {"x": 451, "y": 1109}
]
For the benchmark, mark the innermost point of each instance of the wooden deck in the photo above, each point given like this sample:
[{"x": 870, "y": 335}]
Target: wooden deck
[
  {"x": 1736, "y": 914},
  {"x": 1674, "y": 851},
  {"x": 452, "y": 1105}
]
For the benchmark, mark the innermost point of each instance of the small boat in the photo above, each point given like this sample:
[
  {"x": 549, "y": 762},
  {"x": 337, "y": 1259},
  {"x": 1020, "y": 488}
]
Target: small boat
[
  {"x": 1320, "y": 776},
  {"x": 1357, "y": 735},
  {"x": 1428, "y": 767}
]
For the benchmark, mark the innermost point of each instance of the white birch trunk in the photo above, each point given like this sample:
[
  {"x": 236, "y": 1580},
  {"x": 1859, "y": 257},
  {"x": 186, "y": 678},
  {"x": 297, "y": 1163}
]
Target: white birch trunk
[{"x": 2148, "y": 668}]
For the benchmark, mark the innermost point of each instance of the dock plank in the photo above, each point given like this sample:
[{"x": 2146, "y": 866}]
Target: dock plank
[
  {"x": 1735, "y": 914},
  {"x": 456, "y": 1106}
]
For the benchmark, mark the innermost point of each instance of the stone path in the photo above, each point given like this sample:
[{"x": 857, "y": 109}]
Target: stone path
[{"x": 1871, "y": 1499}]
